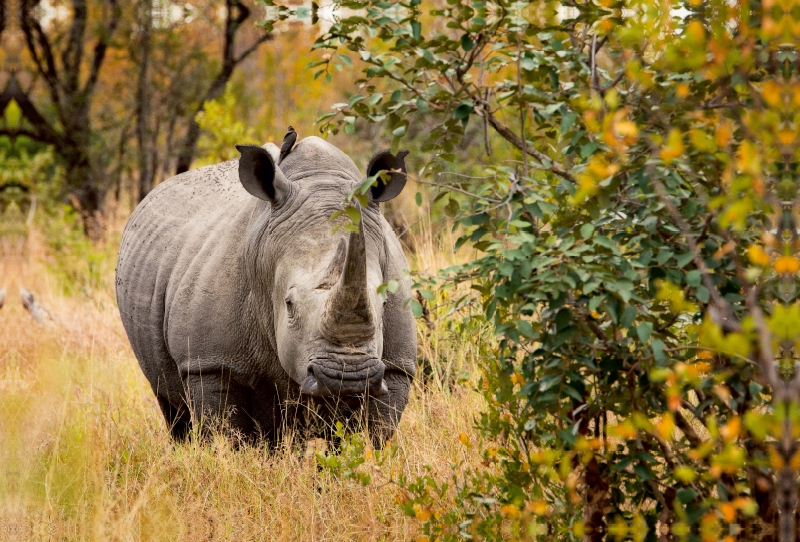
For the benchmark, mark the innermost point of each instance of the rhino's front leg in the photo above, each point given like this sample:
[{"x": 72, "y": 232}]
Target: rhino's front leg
[
  {"x": 215, "y": 397},
  {"x": 385, "y": 411}
]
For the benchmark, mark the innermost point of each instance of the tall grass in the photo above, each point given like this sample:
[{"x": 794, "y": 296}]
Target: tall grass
[{"x": 86, "y": 454}]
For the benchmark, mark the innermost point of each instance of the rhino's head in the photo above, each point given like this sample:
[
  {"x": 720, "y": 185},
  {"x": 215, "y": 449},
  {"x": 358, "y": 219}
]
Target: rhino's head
[{"x": 319, "y": 287}]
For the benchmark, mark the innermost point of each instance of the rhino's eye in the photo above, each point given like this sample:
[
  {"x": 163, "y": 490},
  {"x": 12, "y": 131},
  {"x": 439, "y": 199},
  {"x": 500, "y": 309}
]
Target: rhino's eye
[{"x": 290, "y": 308}]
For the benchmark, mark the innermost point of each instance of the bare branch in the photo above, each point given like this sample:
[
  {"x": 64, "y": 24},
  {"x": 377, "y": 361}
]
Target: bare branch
[{"x": 101, "y": 48}]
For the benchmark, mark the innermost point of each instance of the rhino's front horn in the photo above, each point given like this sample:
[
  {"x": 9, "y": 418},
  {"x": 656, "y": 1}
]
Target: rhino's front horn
[{"x": 348, "y": 313}]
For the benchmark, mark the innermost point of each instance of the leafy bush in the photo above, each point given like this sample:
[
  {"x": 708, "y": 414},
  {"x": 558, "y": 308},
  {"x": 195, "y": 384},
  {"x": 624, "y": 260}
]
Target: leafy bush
[
  {"x": 31, "y": 188},
  {"x": 639, "y": 257},
  {"x": 222, "y": 129}
]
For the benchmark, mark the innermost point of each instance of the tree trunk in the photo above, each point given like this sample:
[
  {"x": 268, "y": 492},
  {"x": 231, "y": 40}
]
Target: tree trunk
[
  {"x": 596, "y": 503},
  {"x": 236, "y": 15},
  {"x": 146, "y": 169}
]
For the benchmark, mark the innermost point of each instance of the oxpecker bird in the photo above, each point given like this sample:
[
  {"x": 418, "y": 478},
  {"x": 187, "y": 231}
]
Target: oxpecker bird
[{"x": 288, "y": 143}]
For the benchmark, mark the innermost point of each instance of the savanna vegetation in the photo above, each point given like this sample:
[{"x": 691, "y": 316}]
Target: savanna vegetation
[{"x": 602, "y": 230}]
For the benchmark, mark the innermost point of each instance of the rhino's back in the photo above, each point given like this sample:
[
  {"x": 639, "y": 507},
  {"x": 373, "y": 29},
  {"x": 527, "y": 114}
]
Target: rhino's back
[{"x": 177, "y": 268}]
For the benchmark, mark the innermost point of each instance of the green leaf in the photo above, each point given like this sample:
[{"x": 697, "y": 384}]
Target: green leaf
[
  {"x": 658, "y": 351},
  {"x": 416, "y": 29},
  {"x": 418, "y": 199},
  {"x": 353, "y": 214},
  {"x": 628, "y": 316},
  {"x": 466, "y": 42},
  {"x": 355, "y": 99},
  {"x": 462, "y": 111},
  {"x": 452, "y": 208},
  {"x": 644, "y": 330},
  {"x": 587, "y": 230},
  {"x": 684, "y": 259},
  {"x": 345, "y": 59},
  {"x": 525, "y": 328},
  {"x": 568, "y": 120}
]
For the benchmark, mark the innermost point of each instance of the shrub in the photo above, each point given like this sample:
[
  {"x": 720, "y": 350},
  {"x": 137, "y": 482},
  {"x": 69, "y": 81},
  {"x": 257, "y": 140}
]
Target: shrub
[{"x": 638, "y": 258}]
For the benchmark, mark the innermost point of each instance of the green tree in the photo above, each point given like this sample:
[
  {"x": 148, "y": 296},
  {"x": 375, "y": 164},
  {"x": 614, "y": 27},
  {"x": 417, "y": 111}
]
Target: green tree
[{"x": 639, "y": 256}]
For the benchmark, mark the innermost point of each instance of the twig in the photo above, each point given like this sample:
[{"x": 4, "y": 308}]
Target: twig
[
  {"x": 515, "y": 140},
  {"x": 725, "y": 314},
  {"x": 456, "y": 189},
  {"x": 593, "y": 64}
]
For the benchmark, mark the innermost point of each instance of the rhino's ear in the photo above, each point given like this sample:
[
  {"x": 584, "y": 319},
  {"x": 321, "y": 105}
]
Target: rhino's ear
[
  {"x": 260, "y": 176},
  {"x": 385, "y": 160}
]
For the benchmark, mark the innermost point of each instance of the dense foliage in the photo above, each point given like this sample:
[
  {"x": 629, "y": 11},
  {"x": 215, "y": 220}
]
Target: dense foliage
[{"x": 638, "y": 257}]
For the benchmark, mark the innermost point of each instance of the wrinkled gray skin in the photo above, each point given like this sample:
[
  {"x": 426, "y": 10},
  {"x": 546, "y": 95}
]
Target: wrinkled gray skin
[{"x": 240, "y": 300}]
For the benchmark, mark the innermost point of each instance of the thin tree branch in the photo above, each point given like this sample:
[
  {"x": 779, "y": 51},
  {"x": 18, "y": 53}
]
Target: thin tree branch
[{"x": 515, "y": 140}]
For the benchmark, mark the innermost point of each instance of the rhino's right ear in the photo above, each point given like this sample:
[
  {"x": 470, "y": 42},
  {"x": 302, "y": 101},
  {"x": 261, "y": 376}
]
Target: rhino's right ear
[{"x": 260, "y": 176}]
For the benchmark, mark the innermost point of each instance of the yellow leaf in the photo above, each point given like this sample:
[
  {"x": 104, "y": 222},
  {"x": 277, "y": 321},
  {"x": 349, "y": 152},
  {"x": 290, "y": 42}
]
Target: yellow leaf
[
  {"x": 422, "y": 514},
  {"x": 786, "y": 137},
  {"x": 702, "y": 141},
  {"x": 673, "y": 398},
  {"x": 682, "y": 91},
  {"x": 538, "y": 507},
  {"x": 665, "y": 426},
  {"x": 674, "y": 147},
  {"x": 757, "y": 256},
  {"x": 464, "y": 439},
  {"x": 627, "y": 128},
  {"x": 509, "y": 511},
  {"x": 685, "y": 474},
  {"x": 749, "y": 159},
  {"x": 590, "y": 120},
  {"x": 786, "y": 265},
  {"x": 771, "y": 92},
  {"x": 728, "y": 512},
  {"x": 730, "y": 431},
  {"x": 695, "y": 32},
  {"x": 624, "y": 430},
  {"x": 723, "y": 133},
  {"x": 775, "y": 459}
]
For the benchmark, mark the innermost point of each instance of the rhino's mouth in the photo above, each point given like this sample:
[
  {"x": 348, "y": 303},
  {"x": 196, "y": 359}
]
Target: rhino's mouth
[{"x": 344, "y": 375}]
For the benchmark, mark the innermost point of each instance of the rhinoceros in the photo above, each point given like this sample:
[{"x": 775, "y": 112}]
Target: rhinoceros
[{"x": 241, "y": 300}]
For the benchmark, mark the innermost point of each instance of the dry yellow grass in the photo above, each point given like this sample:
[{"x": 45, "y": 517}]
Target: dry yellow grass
[{"x": 86, "y": 454}]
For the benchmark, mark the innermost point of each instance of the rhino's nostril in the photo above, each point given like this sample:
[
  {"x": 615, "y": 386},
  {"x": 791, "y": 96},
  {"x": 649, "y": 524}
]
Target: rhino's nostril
[
  {"x": 313, "y": 387},
  {"x": 380, "y": 391}
]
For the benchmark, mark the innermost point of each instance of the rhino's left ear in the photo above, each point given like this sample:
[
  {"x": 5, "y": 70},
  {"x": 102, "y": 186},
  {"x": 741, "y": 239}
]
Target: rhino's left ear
[
  {"x": 260, "y": 176},
  {"x": 385, "y": 160}
]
